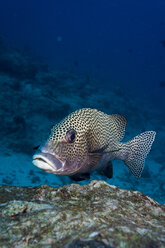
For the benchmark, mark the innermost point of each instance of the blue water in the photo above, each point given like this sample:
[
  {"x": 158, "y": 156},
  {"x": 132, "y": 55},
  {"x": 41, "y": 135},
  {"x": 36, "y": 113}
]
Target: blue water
[{"x": 58, "y": 56}]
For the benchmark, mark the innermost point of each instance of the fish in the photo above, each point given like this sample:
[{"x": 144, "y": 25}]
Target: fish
[{"x": 87, "y": 140}]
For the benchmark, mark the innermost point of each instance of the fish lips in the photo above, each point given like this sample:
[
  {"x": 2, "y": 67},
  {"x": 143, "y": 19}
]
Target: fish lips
[{"x": 48, "y": 162}]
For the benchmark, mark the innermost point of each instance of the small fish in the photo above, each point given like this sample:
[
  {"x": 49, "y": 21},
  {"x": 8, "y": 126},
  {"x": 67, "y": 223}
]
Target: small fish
[{"x": 88, "y": 140}]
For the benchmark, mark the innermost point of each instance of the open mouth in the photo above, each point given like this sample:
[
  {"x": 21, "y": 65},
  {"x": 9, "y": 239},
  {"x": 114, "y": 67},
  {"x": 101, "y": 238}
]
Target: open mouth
[{"x": 47, "y": 162}]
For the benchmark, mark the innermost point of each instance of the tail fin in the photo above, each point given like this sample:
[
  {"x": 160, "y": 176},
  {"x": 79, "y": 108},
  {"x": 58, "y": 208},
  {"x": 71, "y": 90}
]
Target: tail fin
[{"x": 137, "y": 149}]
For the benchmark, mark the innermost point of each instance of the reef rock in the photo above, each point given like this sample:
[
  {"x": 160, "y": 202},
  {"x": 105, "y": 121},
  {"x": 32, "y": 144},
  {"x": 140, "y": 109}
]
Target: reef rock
[{"x": 74, "y": 216}]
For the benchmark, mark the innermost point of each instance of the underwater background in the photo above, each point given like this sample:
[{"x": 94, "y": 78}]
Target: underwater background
[{"x": 57, "y": 56}]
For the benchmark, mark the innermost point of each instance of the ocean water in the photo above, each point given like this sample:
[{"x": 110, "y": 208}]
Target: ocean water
[{"x": 59, "y": 56}]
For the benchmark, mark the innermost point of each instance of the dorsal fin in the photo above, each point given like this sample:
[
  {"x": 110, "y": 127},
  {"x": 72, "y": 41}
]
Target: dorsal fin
[{"x": 119, "y": 124}]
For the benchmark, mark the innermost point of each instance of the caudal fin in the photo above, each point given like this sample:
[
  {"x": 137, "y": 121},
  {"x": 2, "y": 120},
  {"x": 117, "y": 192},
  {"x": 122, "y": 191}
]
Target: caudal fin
[{"x": 137, "y": 149}]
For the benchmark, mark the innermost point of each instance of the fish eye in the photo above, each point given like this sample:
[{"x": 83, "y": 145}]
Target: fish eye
[{"x": 71, "y": 136}]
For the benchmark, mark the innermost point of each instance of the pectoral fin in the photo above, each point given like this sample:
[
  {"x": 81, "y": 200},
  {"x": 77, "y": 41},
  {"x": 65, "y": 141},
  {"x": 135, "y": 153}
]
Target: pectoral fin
[
  {"x": 107, "y": 170},
  {"x": 93, "y": 159}
]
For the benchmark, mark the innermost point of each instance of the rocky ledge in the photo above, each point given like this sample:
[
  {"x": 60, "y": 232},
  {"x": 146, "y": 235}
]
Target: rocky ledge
[{"x": 74, "y": 216}]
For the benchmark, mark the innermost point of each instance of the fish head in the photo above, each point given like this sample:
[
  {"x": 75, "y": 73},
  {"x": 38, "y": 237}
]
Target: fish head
[{"x": 66, "y": 150}]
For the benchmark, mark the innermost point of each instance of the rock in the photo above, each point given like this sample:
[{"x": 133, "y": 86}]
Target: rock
[{"x": 93, "y": 215}]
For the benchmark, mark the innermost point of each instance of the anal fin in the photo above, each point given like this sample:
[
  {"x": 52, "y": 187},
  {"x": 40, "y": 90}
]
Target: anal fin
[{"x": 107, "y": 170}]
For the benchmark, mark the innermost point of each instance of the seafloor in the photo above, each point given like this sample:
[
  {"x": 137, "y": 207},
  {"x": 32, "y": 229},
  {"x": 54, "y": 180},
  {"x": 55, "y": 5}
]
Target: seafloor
[{"x": 33, "y": 98}]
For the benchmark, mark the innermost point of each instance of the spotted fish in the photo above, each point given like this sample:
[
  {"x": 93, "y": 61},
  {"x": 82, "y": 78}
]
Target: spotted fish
[{"x": 88, "y": 140}]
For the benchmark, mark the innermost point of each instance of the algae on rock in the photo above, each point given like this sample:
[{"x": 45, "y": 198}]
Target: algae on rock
[{"x": 93, "y": 215}]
